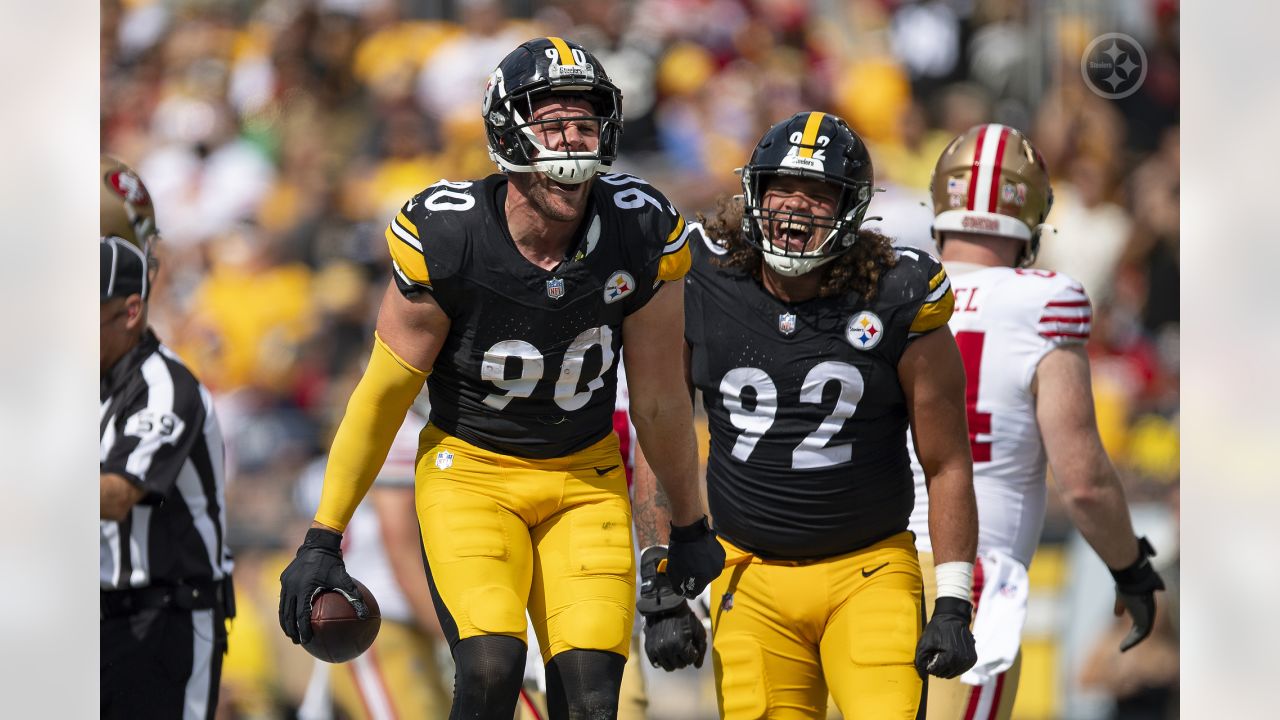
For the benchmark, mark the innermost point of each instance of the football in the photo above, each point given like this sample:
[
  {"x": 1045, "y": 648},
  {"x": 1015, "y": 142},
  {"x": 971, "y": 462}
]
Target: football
[{"x": 337, "y": 633}]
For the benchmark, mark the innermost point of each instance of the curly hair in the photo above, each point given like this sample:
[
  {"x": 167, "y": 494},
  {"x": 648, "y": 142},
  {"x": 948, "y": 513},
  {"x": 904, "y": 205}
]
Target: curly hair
[{"x": 857, "y": 270}]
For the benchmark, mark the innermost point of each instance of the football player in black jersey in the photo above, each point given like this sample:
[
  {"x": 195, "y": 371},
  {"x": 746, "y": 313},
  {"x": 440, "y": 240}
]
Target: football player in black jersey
[
  {"x": 815, "y": 344},
  {"x": 516, "y": 293}
]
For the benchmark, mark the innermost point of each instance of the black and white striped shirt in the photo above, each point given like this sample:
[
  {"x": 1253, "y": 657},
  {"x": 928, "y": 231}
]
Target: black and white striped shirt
[{"x": 160, "y": 433}]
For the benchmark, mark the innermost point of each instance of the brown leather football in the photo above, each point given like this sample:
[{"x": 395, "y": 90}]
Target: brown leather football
[{"x": 337, "y": 633}]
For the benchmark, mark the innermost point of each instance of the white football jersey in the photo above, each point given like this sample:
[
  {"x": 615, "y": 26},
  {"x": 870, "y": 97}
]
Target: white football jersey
[{"x": 1005, "y": 321}]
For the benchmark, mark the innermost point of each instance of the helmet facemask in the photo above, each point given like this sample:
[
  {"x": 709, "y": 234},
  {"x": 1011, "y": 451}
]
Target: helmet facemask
[{"x": 837, "y": 233}]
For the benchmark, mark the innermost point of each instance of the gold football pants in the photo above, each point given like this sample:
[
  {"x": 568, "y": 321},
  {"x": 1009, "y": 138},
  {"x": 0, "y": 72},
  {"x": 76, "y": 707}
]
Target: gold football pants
[
  {"x": 504, "y": 533},
  {"x": 785, "y": 633},
  {"x": 954, "y": 700}
]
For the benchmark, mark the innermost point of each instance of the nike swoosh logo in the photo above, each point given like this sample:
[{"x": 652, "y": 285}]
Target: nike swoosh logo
[
  {"x": 873, "y": 571},
  {"x": 606, "y": 470}
]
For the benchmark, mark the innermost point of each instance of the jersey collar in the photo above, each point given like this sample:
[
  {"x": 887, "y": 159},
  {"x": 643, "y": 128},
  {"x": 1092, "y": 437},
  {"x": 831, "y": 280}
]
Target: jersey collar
[
  {"x": 119, "y": 373},
  {"x": 576, "y": 249}
]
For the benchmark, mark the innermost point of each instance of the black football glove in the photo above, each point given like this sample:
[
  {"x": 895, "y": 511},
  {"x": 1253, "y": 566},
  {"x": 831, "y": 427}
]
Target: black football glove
[
  {"x": 317, "y": 567},
  {"x": 694, "y": 558},
  {"x": 673, "y": 636},
  {"x": 946, "y": 648},
  {"x": 1136, "y": 588}
]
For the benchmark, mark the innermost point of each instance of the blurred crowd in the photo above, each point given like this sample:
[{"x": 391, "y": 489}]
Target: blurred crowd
[{"x": 277, "y": 138}]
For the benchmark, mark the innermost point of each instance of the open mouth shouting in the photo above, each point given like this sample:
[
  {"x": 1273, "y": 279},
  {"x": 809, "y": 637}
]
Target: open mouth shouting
[
  {"x": 566, "y": 188},
  {"x": 791, "y": 235}
]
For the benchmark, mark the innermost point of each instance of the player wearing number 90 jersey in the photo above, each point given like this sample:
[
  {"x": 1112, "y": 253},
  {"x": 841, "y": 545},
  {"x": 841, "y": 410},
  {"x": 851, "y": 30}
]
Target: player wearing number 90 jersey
[
  {"x": 522, "y": 393},
  {"x": 815, "y": 344},
  {"x": 514, "y": 294},
  {"x": 531, "y": 367}
]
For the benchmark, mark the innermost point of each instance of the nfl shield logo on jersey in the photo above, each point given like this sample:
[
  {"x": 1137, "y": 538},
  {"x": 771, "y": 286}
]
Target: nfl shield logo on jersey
[
  {"x": 864, "y": 330},
  {"x": 555, "y": 288},
  {"x": 444, "y": 459},
  {"x": 619, "y": 285},
  {"x": 786, "y": 323}
]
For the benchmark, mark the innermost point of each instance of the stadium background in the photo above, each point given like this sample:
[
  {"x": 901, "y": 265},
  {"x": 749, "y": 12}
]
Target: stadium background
[{"x": 278, "y": 137}]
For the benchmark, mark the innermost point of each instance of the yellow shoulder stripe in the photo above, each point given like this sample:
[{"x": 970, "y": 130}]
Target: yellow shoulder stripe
[
  {"x": 933, "y": 315},
  {"x": 562, "y": 47},
  {"x": 810, "y": 135},
  {"x": 677, "y": 230},
  {"x": 674, "y": 265},
  {"x": 934, "y": 282},
  {"x": 407, "y": 224},
  {"x": 408, "y": 259}
]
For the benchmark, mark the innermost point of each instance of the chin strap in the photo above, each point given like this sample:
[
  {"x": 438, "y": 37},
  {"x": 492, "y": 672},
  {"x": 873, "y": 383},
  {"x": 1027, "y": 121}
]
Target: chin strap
[
  {"x": 570, "y": 171},
  {"x": 795, "y": 266}
]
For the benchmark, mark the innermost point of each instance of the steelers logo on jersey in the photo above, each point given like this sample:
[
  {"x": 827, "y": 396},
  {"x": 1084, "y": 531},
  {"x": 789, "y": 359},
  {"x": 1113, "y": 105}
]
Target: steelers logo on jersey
[
  {"x": 619, "y": 285},
  {"x": 864, "y": 330}
]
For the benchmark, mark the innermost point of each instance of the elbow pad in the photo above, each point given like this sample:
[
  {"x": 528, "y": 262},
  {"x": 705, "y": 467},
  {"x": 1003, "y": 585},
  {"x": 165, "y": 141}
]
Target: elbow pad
[{"x": 374, "y": 414}]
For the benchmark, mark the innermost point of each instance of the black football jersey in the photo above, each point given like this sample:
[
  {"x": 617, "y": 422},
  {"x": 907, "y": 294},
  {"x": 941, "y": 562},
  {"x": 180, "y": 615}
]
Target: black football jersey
[
  {"x": 807, "y": 417},
  {"x": 530, "y": 364}
]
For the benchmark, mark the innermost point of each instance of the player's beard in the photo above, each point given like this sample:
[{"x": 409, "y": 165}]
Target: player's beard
[{"x": 557, "y": 201}]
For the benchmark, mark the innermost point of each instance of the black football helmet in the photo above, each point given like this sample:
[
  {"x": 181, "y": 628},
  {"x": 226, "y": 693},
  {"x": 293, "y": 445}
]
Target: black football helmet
[
  {"x": 530, "y": 72},
  {"x": 814, "y": 145}
]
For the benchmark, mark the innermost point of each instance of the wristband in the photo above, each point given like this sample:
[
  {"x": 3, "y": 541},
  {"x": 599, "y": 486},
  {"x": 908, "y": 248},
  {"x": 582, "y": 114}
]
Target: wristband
[
  {"x": 1139, "y": 569},
  {"x": 691, "y": 532},
  {"x": 323, "y": 539},
  {"x": 955, "y": 580}
]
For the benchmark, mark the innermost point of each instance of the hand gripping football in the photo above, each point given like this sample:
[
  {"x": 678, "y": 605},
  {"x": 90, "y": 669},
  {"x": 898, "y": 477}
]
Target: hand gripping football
[{"x": 338, "y": 634}]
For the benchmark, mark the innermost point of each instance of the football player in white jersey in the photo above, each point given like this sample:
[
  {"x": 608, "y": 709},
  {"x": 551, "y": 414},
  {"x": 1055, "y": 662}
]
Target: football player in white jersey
[{"x": 1021, "y": 333}]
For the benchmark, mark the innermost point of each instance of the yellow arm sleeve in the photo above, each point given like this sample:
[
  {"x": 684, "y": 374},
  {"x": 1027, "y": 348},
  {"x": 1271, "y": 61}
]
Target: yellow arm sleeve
[{"x": 375, "y": 412}]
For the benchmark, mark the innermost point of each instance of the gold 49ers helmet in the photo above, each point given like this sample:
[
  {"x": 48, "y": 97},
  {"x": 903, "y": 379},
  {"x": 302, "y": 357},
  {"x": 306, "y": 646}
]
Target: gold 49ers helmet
[
  {"x": 126, "y": 207},
  {"x": 991, "y": 180}
]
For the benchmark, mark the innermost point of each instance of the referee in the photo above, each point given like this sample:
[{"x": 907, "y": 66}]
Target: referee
[{"x": 164, "y": 569}]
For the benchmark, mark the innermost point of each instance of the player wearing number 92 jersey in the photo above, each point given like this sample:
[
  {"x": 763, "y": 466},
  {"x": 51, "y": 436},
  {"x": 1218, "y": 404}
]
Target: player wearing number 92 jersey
[
  {"x": 531, "y": 368},
  {"x": 807, "y": 418},
  {"x": 815, "y": 344}
]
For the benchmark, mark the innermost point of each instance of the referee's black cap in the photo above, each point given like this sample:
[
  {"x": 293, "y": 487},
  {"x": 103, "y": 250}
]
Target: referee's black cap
[{"x": 124, "y": 268}]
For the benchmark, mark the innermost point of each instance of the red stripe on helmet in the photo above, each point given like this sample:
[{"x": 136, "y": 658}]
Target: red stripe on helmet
[
  {"x": 995, "y": 171},
  {"x": 973, "y": 171}
]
